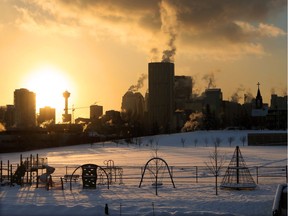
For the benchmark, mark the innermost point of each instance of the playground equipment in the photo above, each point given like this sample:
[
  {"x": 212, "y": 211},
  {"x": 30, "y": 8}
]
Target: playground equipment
[
  {"x": 156, "y": 167},
  {"x": 237, "y": 175},
  {"x": 114, "y": 173},
  {"x": 90, "y": 173},
  {"x": 26, "y": 173}
]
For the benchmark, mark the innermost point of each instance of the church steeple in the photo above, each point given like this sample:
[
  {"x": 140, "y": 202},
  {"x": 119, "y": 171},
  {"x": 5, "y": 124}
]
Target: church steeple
[{"x": 259, "y": 102}]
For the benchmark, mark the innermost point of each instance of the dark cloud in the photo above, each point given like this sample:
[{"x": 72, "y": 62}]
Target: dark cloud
[{"x": 163, "y": 24}]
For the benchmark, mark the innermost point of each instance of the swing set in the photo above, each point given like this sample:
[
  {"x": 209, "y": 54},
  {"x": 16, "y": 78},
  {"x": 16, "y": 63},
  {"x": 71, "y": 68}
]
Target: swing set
[{"x": 156, "y": 168}]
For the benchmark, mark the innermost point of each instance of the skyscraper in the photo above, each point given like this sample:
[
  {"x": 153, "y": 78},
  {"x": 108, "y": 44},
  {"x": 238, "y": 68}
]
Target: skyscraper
[
  {"x": 161, "y": 95},
  {"x": 25, "y": 108}
]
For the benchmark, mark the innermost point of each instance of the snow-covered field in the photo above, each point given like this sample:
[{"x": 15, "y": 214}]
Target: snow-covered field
[{"x": 180, "y": 151}]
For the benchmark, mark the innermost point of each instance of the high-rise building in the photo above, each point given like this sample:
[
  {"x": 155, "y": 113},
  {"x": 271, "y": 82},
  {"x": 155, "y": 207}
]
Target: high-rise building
[
  {"x": 25, "y": 108},
  {"x": 46, "y": 114},
  {"x": 213, "y": 98},
  {"x": 183, "y": 91},
  {"x": 161, "y": 105},
  {"x": 95, "y": 112}
]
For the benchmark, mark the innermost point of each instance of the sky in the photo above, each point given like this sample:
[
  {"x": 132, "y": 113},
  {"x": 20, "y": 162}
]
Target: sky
[{"x": 98, "y": 49}]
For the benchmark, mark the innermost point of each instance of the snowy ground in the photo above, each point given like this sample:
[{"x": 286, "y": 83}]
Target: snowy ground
[{"x": 182, "y": 151}]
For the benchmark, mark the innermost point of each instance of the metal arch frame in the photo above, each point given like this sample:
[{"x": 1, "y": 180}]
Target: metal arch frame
[
  {"x": 156, "y": 158},
  {"x": 71, "y": 177}
]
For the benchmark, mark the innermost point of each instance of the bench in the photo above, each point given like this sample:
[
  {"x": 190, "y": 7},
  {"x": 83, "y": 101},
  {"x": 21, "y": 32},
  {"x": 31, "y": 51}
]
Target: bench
[{"x": 68, "y": 177}]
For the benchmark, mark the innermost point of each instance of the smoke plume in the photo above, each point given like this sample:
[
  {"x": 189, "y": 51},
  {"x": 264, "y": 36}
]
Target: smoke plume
[
  {"x": 194, "y": 122},
  {"x": 2, "y": 127},
  {"x": 169, "y": 27},
  {"x": 210, "y": 80},
  {"x": 236, "y": 96},
  {"x": 139, "y": 84},
  {"x": 248, "y": 97}
]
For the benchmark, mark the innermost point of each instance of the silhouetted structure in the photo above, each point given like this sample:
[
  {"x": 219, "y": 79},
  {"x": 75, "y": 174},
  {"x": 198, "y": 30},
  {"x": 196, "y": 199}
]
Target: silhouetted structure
[
  {"x": 277, "y": 114},
  {"x": 25, "y": 108},
  {"x": 95, "y": 112},
  {"x": 183, "y": 91},
  {"x": 46, "y": 114},
  {"x": 259, "y": 111},
  {"x": 66, "y": 117},
  {"x": 133, "y": 106},
  {"x": 161, "y": 105},
  {"x": 237, "y": 175}
]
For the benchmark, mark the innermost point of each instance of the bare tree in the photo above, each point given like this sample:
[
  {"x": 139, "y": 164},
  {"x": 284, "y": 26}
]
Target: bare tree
[
  {"x": 243, "y": 140},
  {"x": 216, "y": 162},
  {"x": 230, "y": 140},
  {"x": 183, "y": 141},
  {"x": 206, "y": 141},
  {"x": 217, "y": 141},
  {"x": 155, "y": 148},
  {"x": 195, "y": 142},
  {"x": 151, "y": 140},
  {"x": 138, "y": 141}
]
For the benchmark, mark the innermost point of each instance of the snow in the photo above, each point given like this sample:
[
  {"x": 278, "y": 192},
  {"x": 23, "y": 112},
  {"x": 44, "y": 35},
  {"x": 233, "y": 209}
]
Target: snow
[{"x": 182, "y": 151}]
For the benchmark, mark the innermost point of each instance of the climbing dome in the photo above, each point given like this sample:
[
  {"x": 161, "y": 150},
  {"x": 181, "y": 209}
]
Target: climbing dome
[{"x": 237, "y": 175}]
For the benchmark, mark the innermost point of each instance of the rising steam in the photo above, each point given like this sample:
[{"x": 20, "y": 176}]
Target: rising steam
[
  {"x": 169, "y": 26},
  {"x": 236, "y": 96},
  {"x": 140, "y": 83},
  {"x": 2, "y": 127},
  {"x": 209, "y": 78},
  {"x": 194, "y": 122}
]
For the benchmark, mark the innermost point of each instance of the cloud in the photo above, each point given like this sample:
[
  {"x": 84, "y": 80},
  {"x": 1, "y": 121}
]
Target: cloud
[{"x": 199, "y": 27}]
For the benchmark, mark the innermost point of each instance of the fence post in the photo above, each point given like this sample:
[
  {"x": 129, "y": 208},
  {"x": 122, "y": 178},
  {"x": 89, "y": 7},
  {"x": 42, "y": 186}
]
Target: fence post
[
  {"x": 286, "y": 175},
  {"x": 8, "y": 170},
  {"x": 11, "y": 177},
  {"x": 257, "y": 173},
  {"x": 196, "y": 174},
  {"x": 1, "y": 172}
]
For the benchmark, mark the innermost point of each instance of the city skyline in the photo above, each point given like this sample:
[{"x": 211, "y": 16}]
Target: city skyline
[{"x": 97, "y": 50}]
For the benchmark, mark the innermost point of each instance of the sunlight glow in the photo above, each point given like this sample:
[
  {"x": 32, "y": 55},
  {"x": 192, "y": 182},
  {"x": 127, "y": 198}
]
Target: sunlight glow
[{"x": 48, "y": 83}]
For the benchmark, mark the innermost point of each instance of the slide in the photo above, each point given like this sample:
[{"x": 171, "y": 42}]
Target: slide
[{"x": 45, "y": 176}]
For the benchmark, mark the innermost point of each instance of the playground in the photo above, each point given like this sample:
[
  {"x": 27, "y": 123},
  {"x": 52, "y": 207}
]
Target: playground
[{"x": 170, "y": 180}]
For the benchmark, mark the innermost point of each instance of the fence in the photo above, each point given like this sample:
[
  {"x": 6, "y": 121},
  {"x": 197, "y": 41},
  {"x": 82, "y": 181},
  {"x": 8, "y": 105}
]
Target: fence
[{"x": 131, "y": 175}]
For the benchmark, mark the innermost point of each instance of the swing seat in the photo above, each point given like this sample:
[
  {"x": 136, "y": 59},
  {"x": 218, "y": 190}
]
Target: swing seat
[{"x": 158, "y": 184}]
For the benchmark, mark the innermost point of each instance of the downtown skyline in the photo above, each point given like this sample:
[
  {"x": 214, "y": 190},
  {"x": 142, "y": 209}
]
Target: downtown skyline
[{"x": 98, "y": 49}]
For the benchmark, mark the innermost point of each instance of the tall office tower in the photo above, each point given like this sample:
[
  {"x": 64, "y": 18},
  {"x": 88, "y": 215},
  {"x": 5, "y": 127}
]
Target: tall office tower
[
  {"x": 95, "y": 112},
  {"x": 25, "y": 108},
  {"x": 46, "y": 114},
  {"x": 213, "y": 98},
  {"x": 161, "y": 95},
  {"x": 183, "y": 91}
]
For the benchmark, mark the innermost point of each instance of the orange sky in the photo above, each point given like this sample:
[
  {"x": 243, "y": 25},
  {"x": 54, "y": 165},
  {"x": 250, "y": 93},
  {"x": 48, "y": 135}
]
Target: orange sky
[{"x": 98, "y": 49}]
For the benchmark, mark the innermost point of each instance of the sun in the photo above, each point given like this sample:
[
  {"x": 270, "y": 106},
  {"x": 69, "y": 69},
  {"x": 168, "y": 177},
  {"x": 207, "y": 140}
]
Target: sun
[{"x": 48, "y": 83}]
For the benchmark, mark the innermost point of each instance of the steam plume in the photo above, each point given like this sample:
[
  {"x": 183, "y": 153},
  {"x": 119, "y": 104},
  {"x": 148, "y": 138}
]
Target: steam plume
[
  {"x": 248, "y": 97},
  {"x": 169, "y": 25},
  {"x": 236, "y": 95},
  {"x": 2, "y": 127},
  {"x": 139, "y": 84},
  {"x": 210, "y": 79}
]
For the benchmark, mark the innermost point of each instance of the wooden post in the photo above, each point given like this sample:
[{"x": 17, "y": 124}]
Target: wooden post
[
  {"x": 196, "y": 174},
  {"x": 27, "y": 170},
  {"x": 286, "y": 175},
  {"x": 11, "y": 177},
  {"x": 37, "y": 177},
  {"x": 257, "y": 174},
  {"x": 8, "y": 170},
  {"x": 1, "y": 172}
]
